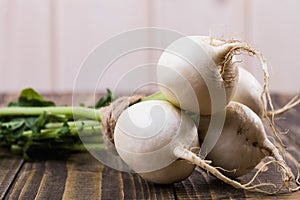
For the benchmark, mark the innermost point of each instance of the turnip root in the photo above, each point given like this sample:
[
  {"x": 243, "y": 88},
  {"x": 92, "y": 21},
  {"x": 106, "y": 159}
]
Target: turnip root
[
  {"x": 249, "y": 92},
  {"x": 145, "y": 136},
  {"x": 198, "y": 74},
  {"x": 190, "y": 67},
  {"x": 242, "y": 144},
  {"x": 203, "y": 69},
  {"x": 155, "y": 139}
]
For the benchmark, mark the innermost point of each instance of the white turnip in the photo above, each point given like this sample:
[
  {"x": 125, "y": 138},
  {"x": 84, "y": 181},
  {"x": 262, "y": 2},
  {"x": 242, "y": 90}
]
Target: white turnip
[
  {"x": 242, "y": 144},
  {"x": 199, "y": 74},
  {"x": 154, "y": 138},
  {"x": 202, "y": 69},
  {"x": 146, "y": 134},
  {"x": 190, "y": 67},
  {"x": 249, "y": 92}
]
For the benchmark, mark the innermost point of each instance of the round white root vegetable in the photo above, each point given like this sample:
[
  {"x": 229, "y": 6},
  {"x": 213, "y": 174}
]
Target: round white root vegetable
[
  {"x": 243, "y": 143},
  {"x": 154, "y": 139},
  {"x": 145, "y": 136},
  {"x": 198, "y": 74},
  {"x": 194, "y": 67},
  {"x": 249, "y": 92}
]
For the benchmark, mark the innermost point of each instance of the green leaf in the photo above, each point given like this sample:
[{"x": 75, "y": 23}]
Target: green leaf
[
  {"x": 29, "y": 97},
  {"x": 36, "y": 123},
  {"x": 31, "y": 94},
  {"x": 25, "y": 149},
  {"x": 65, "y": 129},
  {"x": 106, "y": 100},
  {"x": 12, "y": 130}
]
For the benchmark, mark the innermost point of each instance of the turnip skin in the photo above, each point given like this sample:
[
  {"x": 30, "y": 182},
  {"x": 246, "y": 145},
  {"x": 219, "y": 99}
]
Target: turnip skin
[
  {"x": 166, "y": 157},
  {"x": 152, "y": 155},
  {"x": 191, "y": 67},
  {"x": 249, "y": 92},
  {"x": 243, "y": 141}
]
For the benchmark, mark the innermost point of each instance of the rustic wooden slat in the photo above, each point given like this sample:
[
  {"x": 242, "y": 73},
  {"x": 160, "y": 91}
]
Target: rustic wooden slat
[
  {"x": 112, "y": 184},
  {"x": 9, "y": 165},
  {"x": 28, "y": 181},
  {"x": 84, "y": 177},
  {"x": 81, "y": 176},
  {"x": 89, "y": 179},
  {"x": 161, "y": 191},
  {"x": 134, "y": 187},
  {"x": 191, "y": 188},
  {"x": 53, "y": 181},
  {"x": 129, "y": 187}
]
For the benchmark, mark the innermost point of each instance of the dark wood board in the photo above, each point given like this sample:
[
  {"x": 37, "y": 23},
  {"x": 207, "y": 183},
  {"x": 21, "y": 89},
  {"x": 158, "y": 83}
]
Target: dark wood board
[{"x": 81, "y": 176}]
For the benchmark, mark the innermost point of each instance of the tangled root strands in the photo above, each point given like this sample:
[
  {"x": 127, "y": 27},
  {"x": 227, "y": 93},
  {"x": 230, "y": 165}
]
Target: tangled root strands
[
  {"x": 246, "y": 48},
  {"x": 185, "y": 154}
]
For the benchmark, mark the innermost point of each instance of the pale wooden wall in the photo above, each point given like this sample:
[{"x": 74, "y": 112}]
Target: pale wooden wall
[{"x": 43, "y": 42}]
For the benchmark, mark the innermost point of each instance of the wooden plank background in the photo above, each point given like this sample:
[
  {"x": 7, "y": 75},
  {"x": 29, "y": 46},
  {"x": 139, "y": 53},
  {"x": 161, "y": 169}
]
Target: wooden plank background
[{"x": 80, "y": 176}]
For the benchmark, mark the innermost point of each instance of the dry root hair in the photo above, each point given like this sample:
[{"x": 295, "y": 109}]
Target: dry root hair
[{"x": 288, "y": 178}]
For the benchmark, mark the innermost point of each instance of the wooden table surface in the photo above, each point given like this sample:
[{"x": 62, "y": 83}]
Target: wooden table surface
[{"x": 80, "y": 176}]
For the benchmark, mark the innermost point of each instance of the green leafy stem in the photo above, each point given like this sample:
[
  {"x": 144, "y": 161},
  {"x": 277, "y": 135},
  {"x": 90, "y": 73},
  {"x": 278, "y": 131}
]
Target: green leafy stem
[{"x": 33, "y": 124}]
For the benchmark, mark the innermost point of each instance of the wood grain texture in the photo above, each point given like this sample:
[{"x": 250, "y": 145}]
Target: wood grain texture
[
  {"x": 9, "y": 165},
  {"x": 9, "y": 168},
  {"x": 81, "y": 176},
  {"x": 39, "y": 179},
  {"x": 84, "y": 177}
]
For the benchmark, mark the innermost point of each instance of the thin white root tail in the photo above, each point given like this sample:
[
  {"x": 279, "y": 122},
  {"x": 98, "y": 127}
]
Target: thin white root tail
[
  {"x": 286, "y": 173},
  {"x": 291, "y": 104},
  {"x": 187, "y": 155}
]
